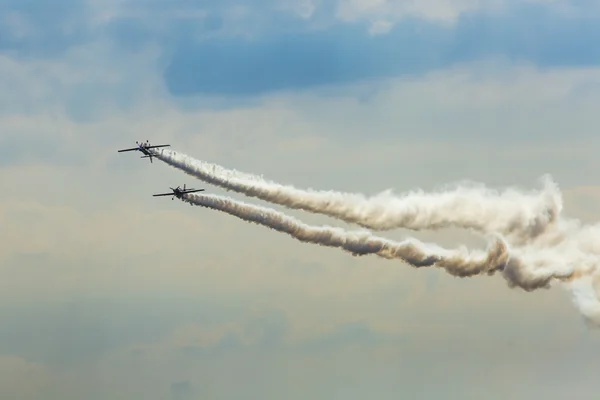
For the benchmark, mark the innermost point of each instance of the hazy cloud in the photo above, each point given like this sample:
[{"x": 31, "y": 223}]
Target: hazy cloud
[
  {"x": 234, "y": 48},
  {"x": 109, "y": 292}
]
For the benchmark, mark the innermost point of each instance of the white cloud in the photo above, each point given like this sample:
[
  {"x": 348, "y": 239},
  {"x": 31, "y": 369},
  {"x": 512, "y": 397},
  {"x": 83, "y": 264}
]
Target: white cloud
[
  {"x": 92, "y": 230},
  {"x": 409, "y": 123},
  {"x": 303, "y": 8},
  {"x": 439, "y": 11},
  {"x": 380, "y": 27},
  {"x": 436, "y": 10},
  {"x": 93, "y": 76},
  {"x": 16, "y": 26}
]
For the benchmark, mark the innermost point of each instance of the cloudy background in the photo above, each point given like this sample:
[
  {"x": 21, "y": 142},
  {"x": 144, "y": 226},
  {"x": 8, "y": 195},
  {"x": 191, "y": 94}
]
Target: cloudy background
[{"x": 108, "y": 293}]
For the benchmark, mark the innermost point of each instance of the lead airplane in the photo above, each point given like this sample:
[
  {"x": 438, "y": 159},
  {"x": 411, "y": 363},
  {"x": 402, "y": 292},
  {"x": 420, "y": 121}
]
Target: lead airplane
[
  {"x": 178, "y": 192},
  {"x": 144, "y": 148}
]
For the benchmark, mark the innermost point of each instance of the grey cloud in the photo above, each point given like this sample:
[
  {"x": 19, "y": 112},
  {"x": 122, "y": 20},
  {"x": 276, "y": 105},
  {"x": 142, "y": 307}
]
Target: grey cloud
[
  {"x": 229, "y": 343},
  {"x": 268, "y": 329},
  {"x": 78, "y": 332},
  {"x": 319, "y": 368},
  {"x": 21, "y": 149},
  {"x": 349, "y": 334},
  {"x": 450, "y": 365},
  {"x": 305, "y": 268},
  {"x": 182, "y": 390}
]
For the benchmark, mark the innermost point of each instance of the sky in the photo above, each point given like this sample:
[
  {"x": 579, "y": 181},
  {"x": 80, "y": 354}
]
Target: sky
[{"x": 109, "y": 293}]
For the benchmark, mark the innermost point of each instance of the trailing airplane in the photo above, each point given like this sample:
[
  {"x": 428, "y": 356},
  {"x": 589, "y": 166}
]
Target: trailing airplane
[
  {"x": 178, "y": 192},
  {"x": 144, "y": 148}
]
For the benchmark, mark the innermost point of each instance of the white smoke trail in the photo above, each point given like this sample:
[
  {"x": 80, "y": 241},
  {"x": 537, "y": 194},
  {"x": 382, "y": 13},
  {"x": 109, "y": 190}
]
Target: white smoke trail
[
  {"x": 518, "y": 216},
  {"x": 526, "y": 271},
  {"x": 548, "y": 248},
  {"x": 459, "y": 262}
]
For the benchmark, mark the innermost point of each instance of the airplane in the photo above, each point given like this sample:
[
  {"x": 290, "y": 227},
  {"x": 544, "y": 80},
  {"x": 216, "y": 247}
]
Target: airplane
[
  {"x": 178, "y": 192},
  {"x": 143, "y": 147}
]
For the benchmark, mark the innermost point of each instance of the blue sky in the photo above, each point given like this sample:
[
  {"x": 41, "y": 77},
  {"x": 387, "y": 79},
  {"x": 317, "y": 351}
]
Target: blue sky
[
  {"x": 237, "y": 48},
  {"x": 108, "y": 291}
]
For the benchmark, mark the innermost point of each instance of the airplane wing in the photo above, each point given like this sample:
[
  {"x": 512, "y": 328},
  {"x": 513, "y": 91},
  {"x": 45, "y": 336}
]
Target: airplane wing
[
  {"x": 160, "y": 145},
  {"x": 132, "y": 149},
  {"x": 164, "y": 194},
  {"x": 193, "y": 190}
]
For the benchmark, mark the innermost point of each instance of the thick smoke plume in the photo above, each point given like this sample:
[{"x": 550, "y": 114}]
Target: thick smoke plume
[
  {"x": 459, "y": 262},
  {"x": 546, "y": 247},
  {"x": 521, "y": 217},
  {"x": 526, "y": 272}
]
